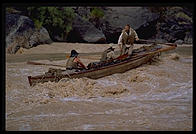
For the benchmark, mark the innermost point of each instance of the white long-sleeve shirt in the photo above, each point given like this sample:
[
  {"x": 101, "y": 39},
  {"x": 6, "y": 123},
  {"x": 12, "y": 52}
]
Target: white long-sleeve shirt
[{"x": 120, "y": 38}]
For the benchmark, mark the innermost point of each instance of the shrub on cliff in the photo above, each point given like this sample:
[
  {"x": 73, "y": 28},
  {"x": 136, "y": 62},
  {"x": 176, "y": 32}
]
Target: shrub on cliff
[
  {"x": 95, "y": 15},
  {"x": 57, "y": 20},
  {"x": 12, "y": 10}
]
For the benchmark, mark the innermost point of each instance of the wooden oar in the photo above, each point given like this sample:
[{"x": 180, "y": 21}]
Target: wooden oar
[{"x": 36, "y": 63}]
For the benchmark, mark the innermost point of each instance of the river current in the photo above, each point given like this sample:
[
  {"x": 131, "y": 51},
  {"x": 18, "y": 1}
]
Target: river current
[{"x": 156, "y": 96}]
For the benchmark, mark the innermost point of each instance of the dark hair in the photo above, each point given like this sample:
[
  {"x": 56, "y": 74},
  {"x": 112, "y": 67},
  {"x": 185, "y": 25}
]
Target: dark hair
[
  {"x": 74, "y": 53},
  {"x": 127, "y": 25}
]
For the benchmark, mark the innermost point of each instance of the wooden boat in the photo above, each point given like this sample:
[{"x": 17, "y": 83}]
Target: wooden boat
[{"x": 140, "y": 56}]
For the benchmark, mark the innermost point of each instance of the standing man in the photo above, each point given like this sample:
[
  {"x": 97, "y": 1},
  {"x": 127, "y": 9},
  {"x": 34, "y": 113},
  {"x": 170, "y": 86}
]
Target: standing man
[{"x": 126, "y": 40}]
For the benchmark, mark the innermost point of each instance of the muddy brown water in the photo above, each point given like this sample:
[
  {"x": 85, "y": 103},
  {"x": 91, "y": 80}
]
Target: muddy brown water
[{"x": 155, "y": 96}]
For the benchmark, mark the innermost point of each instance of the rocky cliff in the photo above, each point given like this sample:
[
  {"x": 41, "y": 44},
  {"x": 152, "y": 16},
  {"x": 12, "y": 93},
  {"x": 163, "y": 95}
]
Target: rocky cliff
[
  {"x": 21, "y": 32},
  {"x": 173, "y": 24}
]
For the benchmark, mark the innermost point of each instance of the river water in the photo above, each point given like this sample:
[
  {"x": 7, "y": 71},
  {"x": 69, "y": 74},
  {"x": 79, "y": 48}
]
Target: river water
[{"x": 156, "y": 96}]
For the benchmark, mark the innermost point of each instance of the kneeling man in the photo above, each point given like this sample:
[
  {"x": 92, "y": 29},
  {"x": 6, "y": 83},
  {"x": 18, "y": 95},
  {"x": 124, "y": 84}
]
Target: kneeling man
[{"x": 108, "y": 54}]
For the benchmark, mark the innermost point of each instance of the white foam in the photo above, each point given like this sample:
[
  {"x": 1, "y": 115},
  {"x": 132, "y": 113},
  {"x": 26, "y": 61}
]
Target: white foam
[
  {"x": 87, "y": 126},
  {"x": 106, "y": 82},
  {"x": 74, "y": 99},
  {"x": 25, "y": 127}
]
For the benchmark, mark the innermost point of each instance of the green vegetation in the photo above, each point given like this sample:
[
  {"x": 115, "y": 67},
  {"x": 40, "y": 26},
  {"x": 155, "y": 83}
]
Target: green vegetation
[
  {"x": 38, "y": 24},
  {"x": 57, "y": 20},
  {"x": 11, "y": 10},
  {"x": 184, "y": 16},
  {"x": 96, "y": 13}
]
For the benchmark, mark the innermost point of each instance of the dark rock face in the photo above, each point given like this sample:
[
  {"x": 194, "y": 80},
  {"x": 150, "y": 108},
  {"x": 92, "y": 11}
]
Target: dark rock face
[
  {"x": 177, "y": 25},
  {"x": 188, "y": 38},
  {"x": 40, "y": 37},
  {"x": 21, "y": 32},
  {"x": 116, "y": 18},
  {"x": 82, "y": 11},
  {"x": 84, "y": 31},
  {"x": 179, "y": 42}
]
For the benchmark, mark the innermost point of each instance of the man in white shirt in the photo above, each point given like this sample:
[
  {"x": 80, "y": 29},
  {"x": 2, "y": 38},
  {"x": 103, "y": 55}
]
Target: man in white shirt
[{"x": 126, "y": 40}]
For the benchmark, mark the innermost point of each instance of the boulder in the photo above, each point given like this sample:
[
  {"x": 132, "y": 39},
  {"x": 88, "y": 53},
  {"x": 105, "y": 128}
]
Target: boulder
[
  {"x": 179, "y": 42},
  {"x": 171, "y": 26},
  {"x": 21, "y": 32},
  {"x": 84, "y": 31},
  {"x": 115, "y": 18},
  {"x": 176, "y": 24},
  {"x": 188, "y": 38},
  {"x": 40, "y": 37}
]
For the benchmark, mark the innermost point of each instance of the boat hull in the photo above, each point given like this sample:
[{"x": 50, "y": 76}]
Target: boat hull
[{"x": 102, "y": 71}]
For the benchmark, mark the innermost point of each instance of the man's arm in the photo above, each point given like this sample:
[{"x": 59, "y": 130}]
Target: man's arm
[
  {"x": 136, "y": 36},
  {"x": 120, "y": 39},
  {"x": 80, "y": 63},
  {"x": 120, "y": 42}
]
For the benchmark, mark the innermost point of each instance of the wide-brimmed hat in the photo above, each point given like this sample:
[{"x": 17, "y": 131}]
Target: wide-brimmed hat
[{"x": 74, "y": 53}]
